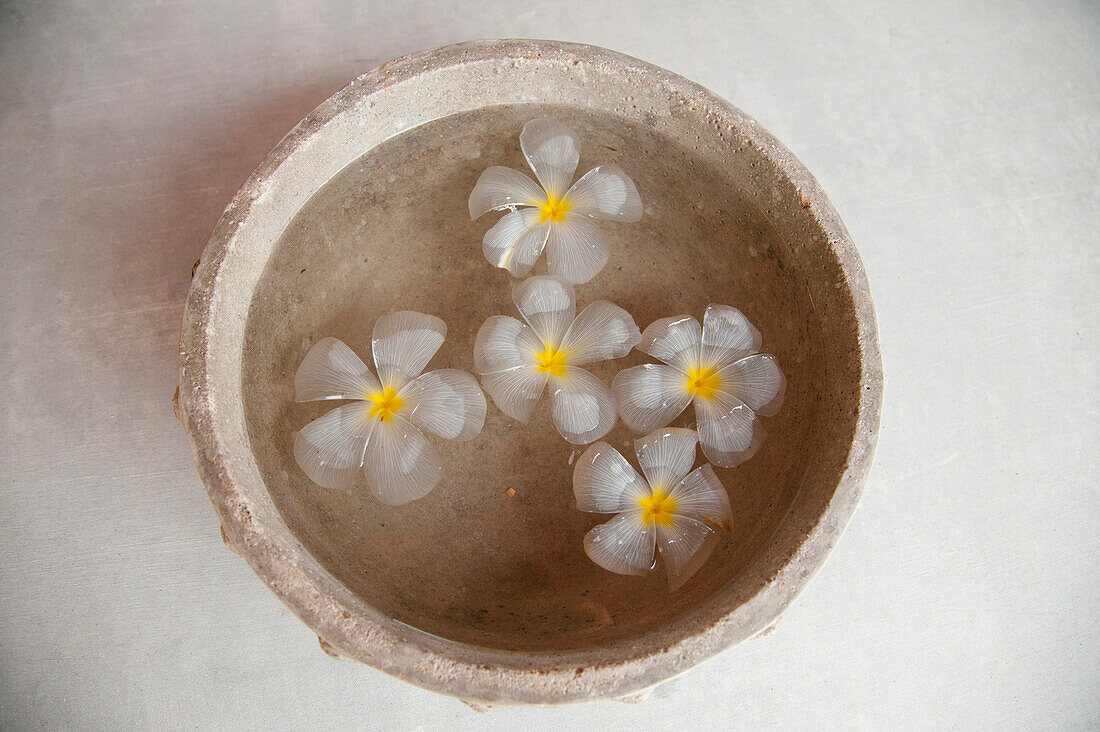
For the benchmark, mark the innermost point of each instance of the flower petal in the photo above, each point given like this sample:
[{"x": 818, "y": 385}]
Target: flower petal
[
  {"x": 604, "y": 482},
  {"x": 729, "y": 431},
  {"x": 606, "y": 192},
  {"x": 727, "y": 335},
  {"x": 701, "y": 496},
  {"x": 552, "y": 150},
  {"x": 623, "y": 545},
  {"x": 516, "y": 390},
  {"x": 499, "y": 188},
  {"x": 601, "y": 331},
  {"x": 757, "y": 381},
  {"x": 515, "y": 242},
  {"x": 331, "y": 370},
  {"x": 583, "y": 407},
  {"x": 577, "y": 250},
  {"x": 447, "y": 402},
  {"x": 504, "y": 343},
  {"x": 673, "y": 340},
  {"x": 400, "y": 465},
  {"x": 403, "y": 343},
  {"x": 678, "y": 541},
  {"x": 649, "y": 396},
  {"x": 666, "y": 456},
  {"x": 330, "y": 448},
  {"x": 702, "y": 554},
  {"x": 548, "y": 304}
]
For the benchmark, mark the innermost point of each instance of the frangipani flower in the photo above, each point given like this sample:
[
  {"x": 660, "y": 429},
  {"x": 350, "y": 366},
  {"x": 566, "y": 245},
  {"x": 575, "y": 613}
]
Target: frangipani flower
[
  {"x": 671, "y": 508},
  {"x": 380, "y": 431},
  {"x": 716, "y": 367},
  {"x": 517, "y": 360},
  {"x": 555, "y": 216}
]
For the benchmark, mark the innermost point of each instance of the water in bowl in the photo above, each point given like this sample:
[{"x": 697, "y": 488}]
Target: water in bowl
[{"x": 493, "y": 557}]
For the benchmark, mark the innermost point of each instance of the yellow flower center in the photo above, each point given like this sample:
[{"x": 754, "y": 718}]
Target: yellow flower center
[
  {"x": 703, "y": 382},
  {"x": 658, "y": 507},
  {"x": 551, "y": 360},
  {"x": 554, "y": 209},
  {"x": 385, "y": 404}
]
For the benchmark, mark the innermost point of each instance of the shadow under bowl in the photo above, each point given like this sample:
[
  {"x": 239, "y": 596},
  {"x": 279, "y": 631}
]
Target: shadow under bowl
[{"x": 482, "y": 589}]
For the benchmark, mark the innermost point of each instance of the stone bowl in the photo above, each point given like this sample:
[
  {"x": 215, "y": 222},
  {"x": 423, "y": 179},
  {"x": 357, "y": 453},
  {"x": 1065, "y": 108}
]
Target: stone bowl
[{"x": 481, "y": 589}]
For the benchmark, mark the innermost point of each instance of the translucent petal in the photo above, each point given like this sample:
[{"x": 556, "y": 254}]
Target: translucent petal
[
  {"x": 447, "y": 402},
  {"x": 666, "y": 456},
  {"x": 679, "y": 540},
  {"x": 601, "y": 331},
  {"x": 515, "y": 391},
  {"x": 757, "y": 381},
  {"x": 727, "y": 335},
  {"x": 729, "y": 431},
  {"x": 606, "y": 192},
  {"x": 515, "y": 242},
  {"x": 330, "y": 448},
  {"x": 400, "y": 465},
  {"x": 527, "y": 251},
  {"x": 673, "y": 340},
  {"x": 576, "y": 250},
  {"x": 548, "y": 304},
  {"x": 403, "y": 343},
  {"x": 331, "y": 370},
  {"x": 504, "y": 343},
  {"x": 702, "y": 554},
  {"x": 624, "y": 545},
  {"x": 552, "y": 150},
  {"x": 604, "y": 482},
  {"x": 732, "y": 459},
  {"x": 499, "y": 188},
  {"x": 583, "y": 407},
  {"x": 649, "y": 396},
  {"x": 701, "y": 496}
]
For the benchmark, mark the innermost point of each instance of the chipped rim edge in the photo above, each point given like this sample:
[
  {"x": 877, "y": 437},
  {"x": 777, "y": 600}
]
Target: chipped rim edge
[{"x": 497, "y": 677}]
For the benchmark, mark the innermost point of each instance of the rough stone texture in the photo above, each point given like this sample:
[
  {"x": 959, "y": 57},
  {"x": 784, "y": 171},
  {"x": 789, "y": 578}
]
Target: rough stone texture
[{"x": 373, "y": 211}]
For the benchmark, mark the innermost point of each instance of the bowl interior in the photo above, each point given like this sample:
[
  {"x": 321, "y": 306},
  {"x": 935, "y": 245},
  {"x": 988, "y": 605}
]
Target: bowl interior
[{"x": 471, "y": 563}]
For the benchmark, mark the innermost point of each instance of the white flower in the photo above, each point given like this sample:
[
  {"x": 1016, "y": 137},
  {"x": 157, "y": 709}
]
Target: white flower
[
  {"x": 714, "y": 366},
  {"x": 379, "y": 431},
  {"x": 553, "y": 216},
  {"x": 516, "y": 360},
  {"x": 671, "y": 508}
]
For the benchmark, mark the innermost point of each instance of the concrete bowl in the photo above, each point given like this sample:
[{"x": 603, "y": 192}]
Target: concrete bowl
[{"x": 481, "y": 590}]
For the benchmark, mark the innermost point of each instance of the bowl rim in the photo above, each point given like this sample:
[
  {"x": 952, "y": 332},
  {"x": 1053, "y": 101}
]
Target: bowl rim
[{"x": 344, "y": 623}]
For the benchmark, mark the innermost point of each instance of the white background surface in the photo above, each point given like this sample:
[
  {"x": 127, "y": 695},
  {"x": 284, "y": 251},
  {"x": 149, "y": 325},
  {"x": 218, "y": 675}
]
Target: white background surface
[{"x": 959, "y": 141}]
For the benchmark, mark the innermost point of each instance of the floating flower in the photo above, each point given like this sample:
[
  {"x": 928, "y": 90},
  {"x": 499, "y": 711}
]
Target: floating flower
[
  {"x": 716, "y": 366},
  {"x": 380, "y": 431},
  {"x": 555, "y": 216},
  {"x": 517, "y": 360},
  {"x": 671, "y": 508}
]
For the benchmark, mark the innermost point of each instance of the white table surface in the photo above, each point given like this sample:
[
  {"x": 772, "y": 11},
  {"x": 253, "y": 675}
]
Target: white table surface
[{"x": 959, "y": 141}]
